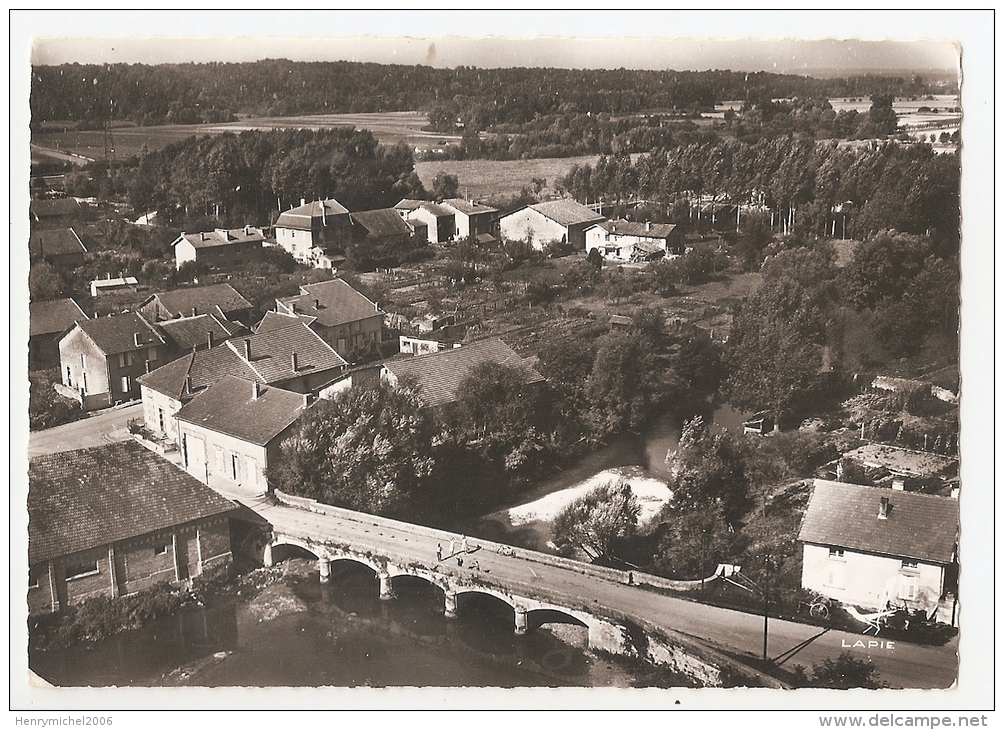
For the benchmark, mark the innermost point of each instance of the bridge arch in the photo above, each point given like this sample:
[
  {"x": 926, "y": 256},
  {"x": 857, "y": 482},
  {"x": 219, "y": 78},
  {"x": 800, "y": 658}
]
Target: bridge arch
[
  {"x": 283, "y": 548},
  {"x": 537, "y": 617},
  {"x": 485, "y": 590}
]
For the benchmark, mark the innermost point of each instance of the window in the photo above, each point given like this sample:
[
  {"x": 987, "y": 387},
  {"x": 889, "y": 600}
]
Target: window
[
  {"x": 235, "y": 466},
  {"x": 69, "y": 376},
  {"x": 160, "y": 418},
  {"x": 908, "y": 587},
  {"x": 81, "y": 569},
  {"x": 126, "y": 384},
  {"x": 835, "y": 575},
  {"x": 837, "y": 553},
  {"x": 160, "y": 549},
  {"x": 125, "y": 359},
  {"x": 184, "y": 449}
]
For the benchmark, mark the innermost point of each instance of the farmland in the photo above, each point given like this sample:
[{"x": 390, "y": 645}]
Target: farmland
[{"x": 481, "y": 179}]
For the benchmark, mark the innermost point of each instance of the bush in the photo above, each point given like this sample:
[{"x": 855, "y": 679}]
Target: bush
[{"x": 46, "y": 408}]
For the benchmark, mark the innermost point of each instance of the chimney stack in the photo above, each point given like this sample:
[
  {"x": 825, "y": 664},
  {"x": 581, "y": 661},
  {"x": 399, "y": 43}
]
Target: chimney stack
[
  {"x": 317, "y": 304},
  {"x": 188, "y": 384},
  {"x": 195, "y": 311},
  {"x": 883, "y": 508},
  {"x": 247, "y": 230},
  {"x": 210, "y": 341},
  {"x": 648, "y": 225},
  {"x": 303, "y": 201},
  {"x": 255, "y": 390},
  {"x": 247, "y": 350},
  {"x": 293, "y": 362},
  {"x": 324, "y": 215}
]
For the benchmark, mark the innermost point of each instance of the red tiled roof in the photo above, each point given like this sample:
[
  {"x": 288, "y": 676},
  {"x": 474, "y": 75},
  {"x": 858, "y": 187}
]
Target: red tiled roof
[
  {"x": 339, "y": 303},
  {"x": 53, "y": 317},
  {"x": 567, "y": 212},
  {"x": 919, "y": 526},
  {"x": 203, "y": 299},
  {"x": 116, "y": 333},
  {"x": 230, "y": 407},
  {"x": 57, "y": 242},
  {"x": 439, "y": 374},
  {"x": 308, "y": 216},
  {"x": 85, "y": 499}
]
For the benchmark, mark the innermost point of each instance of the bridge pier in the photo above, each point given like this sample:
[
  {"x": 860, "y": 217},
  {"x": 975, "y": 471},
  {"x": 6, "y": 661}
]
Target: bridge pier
[
  {"x": 386, "y": 588},
  {"x": 520, "y": 621},
  {"x": 451, "y": 605},
  {"x": 324, "y": 568},
  {"x": 267, "y": 560}
]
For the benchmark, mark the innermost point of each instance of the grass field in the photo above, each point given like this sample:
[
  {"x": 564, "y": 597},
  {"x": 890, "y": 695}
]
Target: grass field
[{"x": 387, "y": 127}]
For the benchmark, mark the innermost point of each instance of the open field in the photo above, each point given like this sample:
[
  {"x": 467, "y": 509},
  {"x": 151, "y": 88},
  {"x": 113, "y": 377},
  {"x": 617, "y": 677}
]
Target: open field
[{"x": 387, "y": 127}]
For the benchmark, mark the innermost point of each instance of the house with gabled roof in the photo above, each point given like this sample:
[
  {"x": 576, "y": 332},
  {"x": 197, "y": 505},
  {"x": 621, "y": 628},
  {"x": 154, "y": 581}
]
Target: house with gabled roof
[
  {"x": 380, "y": 227},
  {"x": 472, "y": 219},
  {"x": 102, "y": 358},
  {"x": 221, "y": 249},
  {"x": 341, "y": 316},
  {"x": 556, "y": 221},
  {"x": 221, "y": 300},
  {"x": 293, "y": 358},
  {"x": 200, "y": 332},
  {"x": 633, "y": 241},
  {"x": 47, "y": 321},
  {"x": 440, "y": 221},
  {"x": 54, "y": 213},
  {"x": 438, "y": 375},
  {"x": 870, "y": 546},
  {"x": 311, "y": 229},
  {"x": 60, "y": 247},
  {"x": 117, "y": 519},
  {"x": 230, "y": 433}
]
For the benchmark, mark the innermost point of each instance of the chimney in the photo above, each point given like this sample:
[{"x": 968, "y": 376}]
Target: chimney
[
  {"x": 209, "y": 339},
  {"x": 898, "y": 485},
  {"x": 883, "y": 508},
  {"x": 247, "y": 230},
  {"x": 293, "y": 362},
  {"x": 255, "y": 390},
  {"x": 135, "y": 338},
  {"x": 648, "y": 225},
  {"x": 202, "y": 236},
  {"x": 324, "y": 215},
  {"x": 317, "y": 304},
  {"x": 247, "y": 350},
  {"x": 188, "y": 384},
  {"x": 195, "y": 311},
  {"x": 303, "y": 201}
]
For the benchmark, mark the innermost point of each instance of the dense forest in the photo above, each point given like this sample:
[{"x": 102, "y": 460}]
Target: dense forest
[{"x": 472, "y": 98}]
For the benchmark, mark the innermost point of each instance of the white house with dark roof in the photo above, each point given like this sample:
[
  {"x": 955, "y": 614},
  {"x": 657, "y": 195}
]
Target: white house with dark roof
[
  {"x": 632, "y": 241},
  {"x": 116, "y": 519},
  {"x": 556, "y": 221},
  {"x": 47, "y": 322},
  {"x": 293, "y": 358},
  {"x": 220, "y": 249},
  {"x": 869, "y": 546},
  {"x": 231, "y": 432},
  {"x": 311, "y": 229},
  {"x": 340, "y": 315},
  {"x": 471, "y": 219},
  {"x": 441, "y": 222}
]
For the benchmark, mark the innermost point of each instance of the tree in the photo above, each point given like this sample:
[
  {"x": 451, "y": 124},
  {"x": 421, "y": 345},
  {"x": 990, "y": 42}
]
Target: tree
[
  {"x": 596, "y": 521},
  {"x": 368, "y": 449},
  {"x": 695, "y": 540},
  {"x": 445, "y": 185},
  {"x": 846, "y": 672},
  {"x": 754, "y": 236},
  {"x": 709, "y": 470},
  {"x": 45, "y": 282}
]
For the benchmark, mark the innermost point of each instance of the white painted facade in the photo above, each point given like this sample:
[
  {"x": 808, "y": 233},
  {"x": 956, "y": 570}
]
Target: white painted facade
[{"x": 530, "y": 225}]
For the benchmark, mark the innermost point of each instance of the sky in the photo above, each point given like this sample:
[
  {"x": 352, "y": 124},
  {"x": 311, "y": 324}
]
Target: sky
[{"x": 791, "y": 42}]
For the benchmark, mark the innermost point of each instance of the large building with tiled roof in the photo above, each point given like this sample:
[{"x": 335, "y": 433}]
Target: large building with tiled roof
[
  {"x": 869, "y": 546},
  {"x": 472, "y": 219},
  {"x": 293, "y": 358},
  {"x": 340, "y": 315},
  {"x": 633, "y": 240},
  {"x": 117, "y": 519},
  {"x": 438, "y": 375},
  {"x": 221, "y": 300},
  {"x": 47, "y": 321},
  {"x": 57, "y": 246},
  {"x": 311, "y": 229},
  {"x": 101, "y": 358},
  {"x": 556, "y": 221},
  {"x": 231, "y": 432},
  {"x": 221, "y": 249}
]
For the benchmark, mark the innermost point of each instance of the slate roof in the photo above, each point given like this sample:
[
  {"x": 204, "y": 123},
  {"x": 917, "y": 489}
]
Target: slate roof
[
  {"x": 53, "y": 317},
  {"x": 339, "y": 303},
  {"x": 567, "y": 212},
  {"x": 115, "y": 333},
  {"x": 631, "y": 228},
  {"x": 271, "y": 362},
  {"x": 381, "y": 222},
  {"x": 222, "y": 237},
  {"x": 180, "y": 302},
  {"x": 230, "y": 407},
  {"x": 188, "y": 332},
  {"x": 278, "y": 320},
  {"x": 55, "y": 208},
  {"x": 439, "y": 374},
  {"x": 307, "y": 216},
  {"x": 468, "y": 207},
  {"x": 408, "y": 204},
  {"x": 919, "y": 526},
  {"x": 90, "y": 498},
  {"x": 57, "y": 242}
]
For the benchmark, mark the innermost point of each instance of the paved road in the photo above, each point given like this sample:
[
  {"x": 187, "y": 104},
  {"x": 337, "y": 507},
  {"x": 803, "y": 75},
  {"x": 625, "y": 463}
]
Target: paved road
[
  {"x": 104, "y": 427},
  {"x": 904, "y": 665}
]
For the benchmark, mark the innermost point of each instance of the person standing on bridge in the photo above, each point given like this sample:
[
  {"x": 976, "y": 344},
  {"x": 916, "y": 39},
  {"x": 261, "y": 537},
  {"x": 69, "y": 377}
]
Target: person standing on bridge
[
  {"x": 439, "y": 552},
  {"x": 453, "y": 547},
  {"x": 463, "y": 544}
]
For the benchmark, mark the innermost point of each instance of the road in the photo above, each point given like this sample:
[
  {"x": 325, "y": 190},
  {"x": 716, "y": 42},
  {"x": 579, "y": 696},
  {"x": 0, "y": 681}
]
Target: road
[
  {"x": 901, "y": 665},
  {"x": 104, "y": 427}
]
